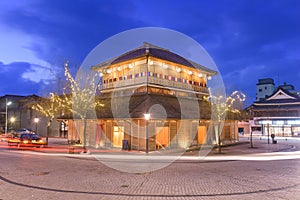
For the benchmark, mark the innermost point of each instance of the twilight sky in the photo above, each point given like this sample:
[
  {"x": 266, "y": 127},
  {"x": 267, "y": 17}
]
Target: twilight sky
[{"x": 247, "y": 39}]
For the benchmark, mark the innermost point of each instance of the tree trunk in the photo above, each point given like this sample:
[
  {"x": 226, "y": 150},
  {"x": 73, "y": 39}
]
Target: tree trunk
[
  {"x": 219, "y": 137},
  {"x": 251, "y": 141},
  {"x": 48, "y": 131},
  {"x": 84, "y": 136}
]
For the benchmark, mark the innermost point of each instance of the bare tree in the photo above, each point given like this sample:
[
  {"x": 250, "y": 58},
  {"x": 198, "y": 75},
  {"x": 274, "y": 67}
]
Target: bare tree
[
  {"x": 221, "y": 106},
  {"x": 49, "y": 107},
  {"x": 78, "y": 98},
  {"x": 82, "y": 90}
]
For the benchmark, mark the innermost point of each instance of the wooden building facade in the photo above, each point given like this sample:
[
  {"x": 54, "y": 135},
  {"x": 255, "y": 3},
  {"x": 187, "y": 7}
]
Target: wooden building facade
[{"x": 153, "y": 80}]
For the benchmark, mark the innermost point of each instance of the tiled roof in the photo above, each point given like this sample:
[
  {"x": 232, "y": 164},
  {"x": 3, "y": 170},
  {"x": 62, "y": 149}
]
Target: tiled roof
[
  {"x": 276, "y": 107},
  {"x": 293, "y": 99},
  {"x": 291, "y": 103},
  {"x": 287, "y": 92},
  {"x": 139, "y": 104},
  {"x": 278, "y": 101},
  {"x": 136, "y": 105},
  {"x": 160, "y": 53}
]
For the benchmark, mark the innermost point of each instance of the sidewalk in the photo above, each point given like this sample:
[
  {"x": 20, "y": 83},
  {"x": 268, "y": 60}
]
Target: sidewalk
[
  {"x": 260, "y": 145},
  {"x": 60, "y": 145}
]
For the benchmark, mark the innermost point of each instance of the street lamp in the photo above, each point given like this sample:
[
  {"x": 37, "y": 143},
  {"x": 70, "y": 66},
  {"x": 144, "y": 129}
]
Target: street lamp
[
  {"x": 36, "y": 121},
  {"x": 12, "y": 120},
  {"x": 7, "y": 103},
  {"x": 147, "y": 117}
]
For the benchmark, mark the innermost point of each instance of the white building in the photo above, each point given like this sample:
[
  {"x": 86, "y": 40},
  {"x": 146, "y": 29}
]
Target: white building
[{"x": 264, "y": 88}]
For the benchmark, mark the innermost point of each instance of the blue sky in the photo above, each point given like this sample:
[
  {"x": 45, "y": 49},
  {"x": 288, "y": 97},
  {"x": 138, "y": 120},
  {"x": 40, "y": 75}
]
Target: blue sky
[{"x": 247, "y": 39}]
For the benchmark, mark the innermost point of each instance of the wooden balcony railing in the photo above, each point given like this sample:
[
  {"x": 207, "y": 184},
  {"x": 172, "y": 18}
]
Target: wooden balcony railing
[{"x": 154, "y": 80}]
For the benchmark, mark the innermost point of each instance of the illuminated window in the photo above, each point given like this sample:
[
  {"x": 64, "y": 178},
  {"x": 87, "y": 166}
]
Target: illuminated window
[
  {"x": 129, "y": 76},
  {"x": 118, "y": 136},
  {"x": 162, "y": 137},
  {"x": 279, "y": 122}
]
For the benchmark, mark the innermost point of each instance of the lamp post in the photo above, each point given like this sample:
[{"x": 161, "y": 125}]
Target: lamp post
[
  {"x": 147, "y": 117},
  {"x": 268, "y": 129},
  {"x": 251, "y": 139},
  {"x": 7, "y": 103},
  {"x": 36, "y": 121}
]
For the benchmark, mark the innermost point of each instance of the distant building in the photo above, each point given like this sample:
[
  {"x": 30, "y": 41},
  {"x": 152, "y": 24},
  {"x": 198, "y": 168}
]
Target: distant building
[
  {"x": 277, "y": 114},
  {"x": 20, "y": 115},
  {"x": 12, "y": 111},
  {"x": 287, "y": 87},
  {"x": 264, "y": 88},
  {"x": 290, "y": 88}
]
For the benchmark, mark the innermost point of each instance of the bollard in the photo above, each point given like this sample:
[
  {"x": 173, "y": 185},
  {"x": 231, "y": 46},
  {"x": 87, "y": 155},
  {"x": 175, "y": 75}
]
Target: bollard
[
  {"x": 273, "y": 139},
  {"x": 71, "y": 150}
]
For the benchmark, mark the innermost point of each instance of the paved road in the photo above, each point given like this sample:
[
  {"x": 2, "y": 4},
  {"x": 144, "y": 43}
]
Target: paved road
[{"x": 31, "y": 175}]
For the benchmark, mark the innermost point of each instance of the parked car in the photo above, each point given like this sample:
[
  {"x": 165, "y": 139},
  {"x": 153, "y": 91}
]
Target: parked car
[
  {"x": 13, "y": 140},
  {"x": 5, "y": 136},
  {"x": 25, "y": 130},
  {"x": 32, "y": 140}
]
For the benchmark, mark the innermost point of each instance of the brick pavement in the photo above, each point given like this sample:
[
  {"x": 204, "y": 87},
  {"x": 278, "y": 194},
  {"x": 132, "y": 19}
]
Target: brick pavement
[
  {"x": 27, "y": 176},
  {"x": 69, "y": 178}
]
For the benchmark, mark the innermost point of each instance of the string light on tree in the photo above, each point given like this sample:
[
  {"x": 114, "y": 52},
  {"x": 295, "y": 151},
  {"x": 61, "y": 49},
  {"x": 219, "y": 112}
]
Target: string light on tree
[
  {"x": 221, "y": 105},
  {"x": 77, "y": 98}
]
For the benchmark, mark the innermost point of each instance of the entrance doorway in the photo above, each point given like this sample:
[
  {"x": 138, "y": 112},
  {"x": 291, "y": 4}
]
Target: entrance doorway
[
  {"x": 63, "y": 131},
  {"x": 118, "y": 136},
  {"x": 162, "y": 137},
  {"x": 202, "y": 135}
]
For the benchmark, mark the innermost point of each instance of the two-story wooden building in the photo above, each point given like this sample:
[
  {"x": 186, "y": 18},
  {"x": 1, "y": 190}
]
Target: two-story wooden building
[{"x": 151, "y": 80}]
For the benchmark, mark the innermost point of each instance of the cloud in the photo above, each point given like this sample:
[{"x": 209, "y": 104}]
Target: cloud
[
  {"x": 245, "y": 78},
  {"x": 15, "y": 46},
  {"x": 246, "y": 72},
  {"x": 12, "y": 83},
  {"x": 240, "y": 36},
  {"x": 23, "y": 78},
  {"x": 39, "y": 74},
  {"x": 21, "y": 65},
  {"x": 70, "y": 29}
]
